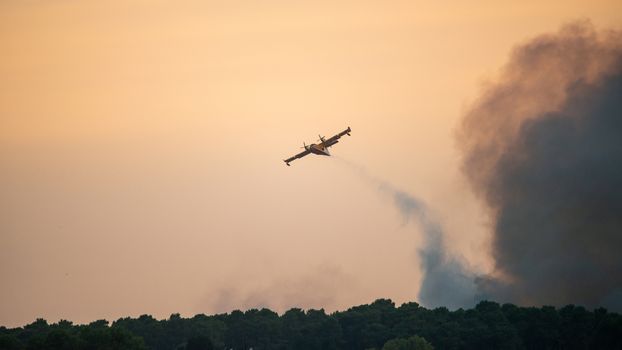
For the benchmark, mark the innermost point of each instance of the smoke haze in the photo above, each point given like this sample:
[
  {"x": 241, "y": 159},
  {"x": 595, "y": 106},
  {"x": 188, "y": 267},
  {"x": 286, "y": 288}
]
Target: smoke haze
[
  {"x": 317, "y": 289},
  {"x": 543, "y": 149}
]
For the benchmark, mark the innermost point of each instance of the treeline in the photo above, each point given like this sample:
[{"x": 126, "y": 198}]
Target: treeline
[{"x": 379, "y": 325}]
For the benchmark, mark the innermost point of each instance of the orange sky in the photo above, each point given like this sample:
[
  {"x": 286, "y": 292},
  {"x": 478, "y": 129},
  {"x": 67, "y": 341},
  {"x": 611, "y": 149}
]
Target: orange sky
[{"x": 141, "y": 146}]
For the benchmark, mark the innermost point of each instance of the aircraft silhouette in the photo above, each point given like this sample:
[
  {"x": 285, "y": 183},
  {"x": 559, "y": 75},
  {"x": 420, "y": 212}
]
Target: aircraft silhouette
[{"x": 319, "y": 148}]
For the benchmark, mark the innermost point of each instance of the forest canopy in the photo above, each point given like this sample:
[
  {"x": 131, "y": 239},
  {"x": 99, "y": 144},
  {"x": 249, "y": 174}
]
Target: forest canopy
[{"x": 380, "y": 325}]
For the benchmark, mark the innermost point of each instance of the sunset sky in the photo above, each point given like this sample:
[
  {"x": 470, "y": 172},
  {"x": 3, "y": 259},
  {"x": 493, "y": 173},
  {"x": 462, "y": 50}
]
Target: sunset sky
[{"x": 141, "y": 147}]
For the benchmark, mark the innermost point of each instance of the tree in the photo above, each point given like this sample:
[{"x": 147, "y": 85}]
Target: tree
[
  {"x": 10, "y": 342},
  {"x": 201, "y": 342},
  {"x": 413, "y": 343},
  {"x": 59, "y": 339}
]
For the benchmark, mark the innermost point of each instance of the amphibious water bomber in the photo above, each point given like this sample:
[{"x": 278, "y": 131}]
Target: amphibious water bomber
[{"x": 320, "y": 148}]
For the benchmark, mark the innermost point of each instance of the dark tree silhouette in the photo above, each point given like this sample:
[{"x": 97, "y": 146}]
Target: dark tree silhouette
[{"x": 379, "y": 325}]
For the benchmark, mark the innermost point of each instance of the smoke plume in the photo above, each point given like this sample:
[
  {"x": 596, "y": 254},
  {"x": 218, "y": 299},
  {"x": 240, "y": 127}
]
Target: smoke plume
[
  {"x": 543, "y": 149},
  {"x": 446, "y": 282}
]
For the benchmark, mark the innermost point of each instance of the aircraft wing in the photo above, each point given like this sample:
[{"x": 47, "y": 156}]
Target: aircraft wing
[
  {"x": 333, "y": 140},
  {"x": 299, "y": 155}
]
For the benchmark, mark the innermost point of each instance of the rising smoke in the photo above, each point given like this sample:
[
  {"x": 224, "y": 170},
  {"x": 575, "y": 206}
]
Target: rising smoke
[
  {"x": 543, "y": 149},
  {"x": 446, "y": 281}
]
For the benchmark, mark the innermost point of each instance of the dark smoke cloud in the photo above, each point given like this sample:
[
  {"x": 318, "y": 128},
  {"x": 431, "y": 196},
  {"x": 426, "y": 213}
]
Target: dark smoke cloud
[
  {"x": 446, "y": 281},
  {"x": 543, "y": 149}
]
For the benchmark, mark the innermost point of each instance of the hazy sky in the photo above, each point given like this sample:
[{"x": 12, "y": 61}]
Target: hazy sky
[{"x": 141, "y": 147}]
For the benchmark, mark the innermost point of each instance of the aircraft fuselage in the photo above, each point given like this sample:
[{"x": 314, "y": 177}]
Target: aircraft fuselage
[{"x": 318, "y": 149}]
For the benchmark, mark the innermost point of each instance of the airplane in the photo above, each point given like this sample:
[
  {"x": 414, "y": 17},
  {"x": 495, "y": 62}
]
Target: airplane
[{"x": 319, "y": 148}]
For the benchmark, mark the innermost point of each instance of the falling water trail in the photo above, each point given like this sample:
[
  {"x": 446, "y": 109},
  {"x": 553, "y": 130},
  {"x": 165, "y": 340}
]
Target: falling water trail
[{"x": 446, "y": 281}]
